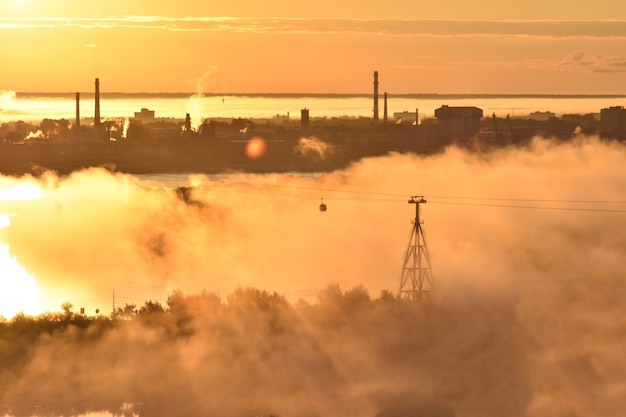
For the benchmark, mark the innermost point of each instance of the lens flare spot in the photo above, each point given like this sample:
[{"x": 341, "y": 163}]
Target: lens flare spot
[{"x": 255, "y": 148}]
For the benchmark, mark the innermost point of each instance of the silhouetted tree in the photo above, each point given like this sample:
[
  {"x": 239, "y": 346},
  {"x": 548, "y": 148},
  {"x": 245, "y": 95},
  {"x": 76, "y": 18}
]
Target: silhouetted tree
[
  {"x": 189, "y": 311},
  {"x": 332, "y": 296},
  {"x": 22, "y": 317},
  {"x": 254, "y": 298},
  {"x": 207, "y": 129},
  {"x": 151, "y": 308},
  {"x": 125, "y": 313},
  {"x": 67, "y": 310},
  {"x": 386, "y": 296},
  {"x": 587, "y": 123},
  {"x": 48, "y": 127},
  {"x": 241, "y": 124},
  {"x": 136, "y": 131}
]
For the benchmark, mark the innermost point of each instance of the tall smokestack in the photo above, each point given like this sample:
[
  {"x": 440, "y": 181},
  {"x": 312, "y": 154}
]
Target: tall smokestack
[
  {"x": 385, "y": 109},
  {"x": 96, "y": 116},
  {"x": 376, "y": 96},
  {"x": 77, "y": 124}
]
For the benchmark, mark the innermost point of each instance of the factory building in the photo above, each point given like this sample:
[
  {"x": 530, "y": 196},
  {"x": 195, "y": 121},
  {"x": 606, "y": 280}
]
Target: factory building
[
  {"x": 541, "y": 116},
  {"x": 459, "y": 120},
  {"x": 406, "y": 117},
  {"x": 145, "y": 116}
]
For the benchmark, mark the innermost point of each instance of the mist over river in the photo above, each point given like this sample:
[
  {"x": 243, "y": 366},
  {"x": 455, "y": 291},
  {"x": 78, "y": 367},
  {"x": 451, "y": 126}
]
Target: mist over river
[{"x": 283, "y": 310}]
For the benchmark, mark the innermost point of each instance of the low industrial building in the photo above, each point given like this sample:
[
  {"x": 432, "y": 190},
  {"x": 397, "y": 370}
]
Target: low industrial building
[
  {"x": 406, "y": 116},
  {"x": 459, "y": 120},
  {"x": 541, "y": 116},
  {"x": 145, "y": 116}
]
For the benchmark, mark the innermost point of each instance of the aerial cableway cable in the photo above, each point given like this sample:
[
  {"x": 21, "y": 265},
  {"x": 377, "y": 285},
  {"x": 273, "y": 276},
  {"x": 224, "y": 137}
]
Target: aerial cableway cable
[{"x": 336, "y": 194}]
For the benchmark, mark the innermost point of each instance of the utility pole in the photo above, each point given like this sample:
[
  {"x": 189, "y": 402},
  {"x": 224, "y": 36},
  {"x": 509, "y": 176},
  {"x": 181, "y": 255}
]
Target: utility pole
[
  {"x": 416, "y": 283},
  {"x": 495, "y": 124}
]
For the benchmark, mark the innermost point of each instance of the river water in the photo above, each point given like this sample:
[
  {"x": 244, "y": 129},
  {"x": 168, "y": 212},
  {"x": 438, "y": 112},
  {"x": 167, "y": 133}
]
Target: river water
[{"x": 36, "y": 107}]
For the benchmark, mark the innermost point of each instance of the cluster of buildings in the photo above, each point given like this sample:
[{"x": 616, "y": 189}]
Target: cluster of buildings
[
  {"x": 466, "y": 121},
  {"x": 453, "y": 120}
]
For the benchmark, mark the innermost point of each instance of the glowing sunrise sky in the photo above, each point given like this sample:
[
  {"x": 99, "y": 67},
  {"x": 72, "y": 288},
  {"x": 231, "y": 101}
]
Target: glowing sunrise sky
[{"x": 321, "y": 46}]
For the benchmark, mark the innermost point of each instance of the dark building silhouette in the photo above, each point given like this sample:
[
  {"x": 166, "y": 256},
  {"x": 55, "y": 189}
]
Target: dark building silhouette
[
  {"x": 542, "y": 116},
  {"x": 145, "y": 115},
  {"x": 77, "y": 123},
  {"x": 459, "y": 120},
  {"x": 613, "y": 121},
  {"x": 406, "y": 116},
  {"x": 304, "y": 119}
]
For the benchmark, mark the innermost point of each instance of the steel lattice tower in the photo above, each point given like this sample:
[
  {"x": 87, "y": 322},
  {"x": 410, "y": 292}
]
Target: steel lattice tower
[{"x": 416, "y": 283}]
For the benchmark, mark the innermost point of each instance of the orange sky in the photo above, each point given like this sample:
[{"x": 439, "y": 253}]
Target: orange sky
[{"x": 322, "y": 47}]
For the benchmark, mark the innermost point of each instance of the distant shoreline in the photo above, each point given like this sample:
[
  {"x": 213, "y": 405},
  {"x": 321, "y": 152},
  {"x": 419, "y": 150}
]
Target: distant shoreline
[{"x": 424, "y": 96}]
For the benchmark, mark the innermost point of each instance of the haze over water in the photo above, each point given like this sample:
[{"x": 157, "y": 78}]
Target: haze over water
[{"x": 36, "y": 108}]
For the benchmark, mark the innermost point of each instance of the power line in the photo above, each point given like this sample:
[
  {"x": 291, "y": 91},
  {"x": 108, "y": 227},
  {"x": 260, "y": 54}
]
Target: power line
[
  {"x": 378, "y": 196},
  {"x": 400, "y": 197},
  {"x": 534, "y": 200},
  {"x": 535, "y": 207}
]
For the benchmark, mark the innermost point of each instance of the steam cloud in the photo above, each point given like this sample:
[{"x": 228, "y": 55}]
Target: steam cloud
[
  {"x": 529, "y": 320},
  {"x": 195, "y": 106},
  {"x": 6, "y": 96},
  {"x": 314, "y": 146}
]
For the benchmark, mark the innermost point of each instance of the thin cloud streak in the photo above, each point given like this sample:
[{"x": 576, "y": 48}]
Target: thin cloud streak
[
  {"x": 578, "y": 61},
  {"x": 558, "y": 29}
]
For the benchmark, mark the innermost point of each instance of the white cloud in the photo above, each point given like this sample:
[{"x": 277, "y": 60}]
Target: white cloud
[{"x": 577, "y": 61}]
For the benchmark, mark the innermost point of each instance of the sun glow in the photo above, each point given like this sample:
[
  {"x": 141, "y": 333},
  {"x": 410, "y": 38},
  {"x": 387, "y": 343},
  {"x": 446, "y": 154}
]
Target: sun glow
[
  {"x": 18, "y": 288},
  {"x": 24, "y": 191},
  {"x": 15, "y": 5}
]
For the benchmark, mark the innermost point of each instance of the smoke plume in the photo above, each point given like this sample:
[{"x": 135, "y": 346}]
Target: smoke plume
[
  {"x": 195, "y": 105},
  {"x": 527, "y": 251},
  {"x": 314, "y": 146}
]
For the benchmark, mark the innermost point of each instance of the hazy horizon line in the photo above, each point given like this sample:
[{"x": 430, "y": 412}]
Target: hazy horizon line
[{"x": 312, "y": 94}]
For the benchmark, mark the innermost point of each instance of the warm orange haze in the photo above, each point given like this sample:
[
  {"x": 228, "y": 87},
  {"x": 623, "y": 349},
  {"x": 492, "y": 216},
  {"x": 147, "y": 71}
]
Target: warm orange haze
[
  {"x": 211, "y": 264},
  {"x": 322, "y": 47},
  {"x": 527, "y": 248}
]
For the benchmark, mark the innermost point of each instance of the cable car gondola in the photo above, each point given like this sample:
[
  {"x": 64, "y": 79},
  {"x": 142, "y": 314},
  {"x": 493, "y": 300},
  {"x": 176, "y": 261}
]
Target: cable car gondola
[{"x": 322, "y": 206}]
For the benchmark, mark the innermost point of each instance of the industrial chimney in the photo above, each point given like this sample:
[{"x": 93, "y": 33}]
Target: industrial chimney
[
  {"x": 96, "y": 116},
  {"x": 77, "y": 124},
  {"x": 376, "y": 96},
  {"x": 187, "y": 125}
]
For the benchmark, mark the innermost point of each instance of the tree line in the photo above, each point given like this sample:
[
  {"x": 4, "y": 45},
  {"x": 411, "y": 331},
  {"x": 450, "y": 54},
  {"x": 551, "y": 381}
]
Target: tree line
[{"x": 254, "y": 353}]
